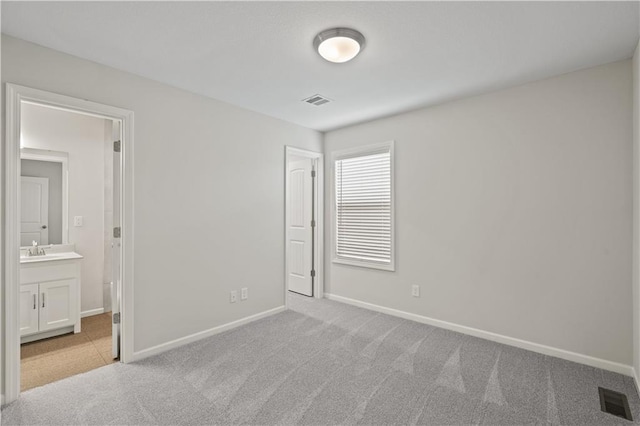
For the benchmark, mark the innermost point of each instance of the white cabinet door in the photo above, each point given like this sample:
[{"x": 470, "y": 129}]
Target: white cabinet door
[
  {"x": 28, "y": 309},
  {"x": 58, "y": 304}
]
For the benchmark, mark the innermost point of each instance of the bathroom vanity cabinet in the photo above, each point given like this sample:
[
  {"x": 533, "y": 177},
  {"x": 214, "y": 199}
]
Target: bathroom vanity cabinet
[{"x": 49, "y": 296}]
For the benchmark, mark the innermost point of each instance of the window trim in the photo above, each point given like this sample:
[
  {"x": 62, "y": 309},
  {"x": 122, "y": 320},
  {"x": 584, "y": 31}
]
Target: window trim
[{"x": 358, "y": 152}]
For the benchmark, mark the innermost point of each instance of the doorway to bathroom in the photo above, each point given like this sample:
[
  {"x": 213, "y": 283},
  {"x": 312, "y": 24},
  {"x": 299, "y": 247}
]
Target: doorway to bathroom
[
  {"x": 69, "y": 214},
  {"x": 66, "y": 206}
]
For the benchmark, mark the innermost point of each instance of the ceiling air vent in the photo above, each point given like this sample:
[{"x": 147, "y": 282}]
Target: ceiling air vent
[{"x": 317, "y": 100}]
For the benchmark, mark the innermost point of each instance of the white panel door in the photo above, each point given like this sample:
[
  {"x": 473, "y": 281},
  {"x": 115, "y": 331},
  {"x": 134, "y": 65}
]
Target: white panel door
[
  {"x": 58, "y": 304},
  {"x": 300, "y": 250},
  {"x": 28, "y": 309},
  {"x": 34, "y": 210}
]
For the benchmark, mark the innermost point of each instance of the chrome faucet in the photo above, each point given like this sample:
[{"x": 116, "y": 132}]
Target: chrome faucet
[{"x": 35, "y": 250}]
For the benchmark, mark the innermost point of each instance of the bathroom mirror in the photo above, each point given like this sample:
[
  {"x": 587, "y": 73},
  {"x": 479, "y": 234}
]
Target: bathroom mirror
[{"x": 43, "y": 197}]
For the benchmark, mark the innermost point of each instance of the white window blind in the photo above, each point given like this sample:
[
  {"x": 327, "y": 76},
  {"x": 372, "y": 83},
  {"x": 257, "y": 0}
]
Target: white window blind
[{"x": 364, "y": 208}]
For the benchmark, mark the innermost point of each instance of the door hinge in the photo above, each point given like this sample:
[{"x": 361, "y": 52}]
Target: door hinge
[
  {"x": 313, "y": 223},
  {"x": 313, "y": 173},
  {"x": 116, "y": 232},
  {"x": 117, "y": 146},
  {"x": 313, "y": 273},
  {"x": 116, "y": 318}
]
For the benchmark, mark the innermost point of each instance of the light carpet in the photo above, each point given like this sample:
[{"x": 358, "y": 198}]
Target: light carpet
[{"x": 323, "y": 362}]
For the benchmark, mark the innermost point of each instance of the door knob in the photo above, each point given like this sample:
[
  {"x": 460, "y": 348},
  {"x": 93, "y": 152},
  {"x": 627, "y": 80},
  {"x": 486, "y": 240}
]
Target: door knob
[{"x": 44, "y": 226}]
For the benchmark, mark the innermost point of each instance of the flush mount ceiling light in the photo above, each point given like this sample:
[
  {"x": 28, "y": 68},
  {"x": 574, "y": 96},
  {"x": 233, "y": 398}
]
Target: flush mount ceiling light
[{"x": 339, "y": 44}]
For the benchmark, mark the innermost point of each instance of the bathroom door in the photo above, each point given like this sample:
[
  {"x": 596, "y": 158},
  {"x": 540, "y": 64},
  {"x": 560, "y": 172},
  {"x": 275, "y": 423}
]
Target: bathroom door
[
  {"x": 116, "y": 283},
  {"x": 300, "y": 230},
  {"x": 34, "y": 210}
]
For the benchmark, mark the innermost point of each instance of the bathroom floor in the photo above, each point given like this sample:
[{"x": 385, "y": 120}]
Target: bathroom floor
[{"x": 49, "y": 360}]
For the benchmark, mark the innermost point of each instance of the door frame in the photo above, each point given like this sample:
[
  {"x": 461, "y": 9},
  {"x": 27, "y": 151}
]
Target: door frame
[
  {"x": 318, "y": 282},
  {"x": 9, "y": 322}
]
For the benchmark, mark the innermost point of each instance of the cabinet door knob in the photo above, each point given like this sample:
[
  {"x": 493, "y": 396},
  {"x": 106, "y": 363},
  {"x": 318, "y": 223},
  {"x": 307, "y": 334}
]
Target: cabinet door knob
[
  {"x": 44, "y": 226},
  {"x": 43, "y": 300},
  {"x": 34, "y": 301}
]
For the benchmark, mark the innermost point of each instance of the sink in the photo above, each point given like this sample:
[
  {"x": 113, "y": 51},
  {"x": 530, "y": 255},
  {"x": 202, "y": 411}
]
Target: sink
[{"x": 50, "y": 257}]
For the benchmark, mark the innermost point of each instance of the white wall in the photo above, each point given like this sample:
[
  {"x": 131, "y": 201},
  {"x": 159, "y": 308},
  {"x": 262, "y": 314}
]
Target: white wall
[
  {"x": 636, "y": 212},
  {"x": 82, "y": 137},
  {"x": 513, "y": 212},
  {"x": 209, "y": 193}
]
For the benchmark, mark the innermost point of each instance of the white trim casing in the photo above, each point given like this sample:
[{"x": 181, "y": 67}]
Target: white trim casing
[
  {"x": 318, "y": 283},
  {"x": 356, "y": 152},
  {"x": 155, "y": 350},
  {"x": 15, "y": 96},
  {"x": 11, "y": 344},
  {"x": 604, "y": 364}
]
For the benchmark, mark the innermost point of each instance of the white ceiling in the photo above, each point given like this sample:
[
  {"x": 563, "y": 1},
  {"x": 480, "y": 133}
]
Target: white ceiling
[{"x": 259, "y": 55}]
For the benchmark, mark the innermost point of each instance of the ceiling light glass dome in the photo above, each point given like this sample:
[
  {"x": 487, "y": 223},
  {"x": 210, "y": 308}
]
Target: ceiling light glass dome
[{"x": 339, "y": 44}]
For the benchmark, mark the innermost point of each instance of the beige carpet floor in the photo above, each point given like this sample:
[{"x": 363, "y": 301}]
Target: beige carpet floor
[{"x": 49, "y": 360}]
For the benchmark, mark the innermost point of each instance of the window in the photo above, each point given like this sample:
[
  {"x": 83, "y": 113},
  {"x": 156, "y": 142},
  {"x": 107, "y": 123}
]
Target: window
[{"x": 363, "y": 216}]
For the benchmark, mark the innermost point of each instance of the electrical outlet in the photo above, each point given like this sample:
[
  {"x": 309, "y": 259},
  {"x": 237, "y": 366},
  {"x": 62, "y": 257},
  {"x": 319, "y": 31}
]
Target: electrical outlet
[
  {"x": 233, "y": 297},
  {"x": 244, "y": 293},
  {"x": 77, "y": 221},
  {"x": 415, "y": 290}
]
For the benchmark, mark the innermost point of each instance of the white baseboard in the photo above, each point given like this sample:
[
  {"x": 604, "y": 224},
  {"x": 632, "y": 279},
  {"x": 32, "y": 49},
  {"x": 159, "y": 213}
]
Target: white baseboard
[
  {"x": 154, "y": 350},
  {"x": 627, "y": 370},
  {"x": 91, "y": 312}
]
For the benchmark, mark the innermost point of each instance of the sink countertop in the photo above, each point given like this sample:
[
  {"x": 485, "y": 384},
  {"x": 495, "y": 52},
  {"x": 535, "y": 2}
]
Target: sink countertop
[{"x": 62, "y": 252}]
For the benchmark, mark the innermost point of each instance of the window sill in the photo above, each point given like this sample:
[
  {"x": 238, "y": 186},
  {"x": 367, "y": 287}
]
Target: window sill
[{"x": 368, "y": 265}]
